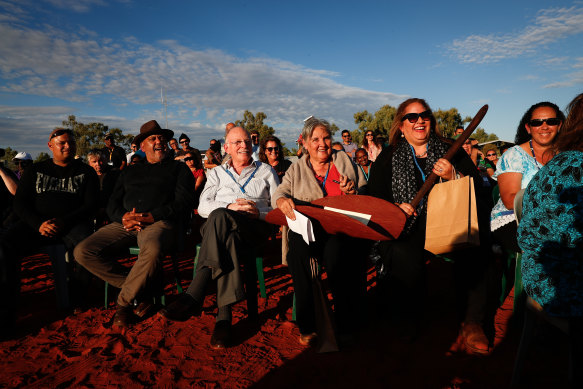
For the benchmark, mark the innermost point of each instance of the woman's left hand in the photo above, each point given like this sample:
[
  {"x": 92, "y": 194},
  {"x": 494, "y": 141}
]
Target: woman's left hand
[
  {"x": 443, "y": 169},
  {"x": 347, "y": 185}
]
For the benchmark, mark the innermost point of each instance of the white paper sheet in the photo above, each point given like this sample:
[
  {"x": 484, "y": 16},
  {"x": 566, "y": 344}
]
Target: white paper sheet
[{"x": 303, "y": 226}]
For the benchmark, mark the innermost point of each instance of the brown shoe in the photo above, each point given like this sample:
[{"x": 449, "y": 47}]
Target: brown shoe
[
  {"x": 144, "y": 309},
  {"x": 474, "y": 338},
  {"x": 124, "y": 316}
]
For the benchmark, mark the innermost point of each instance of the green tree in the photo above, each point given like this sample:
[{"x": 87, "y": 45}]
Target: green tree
[
  {"x": 9, "y": 155},
  {"x": 380, "y": 123},
  {"x": 482, "y": 136},
  {"x": 448, "y": 121},
  {"x": 42, "y": 157},
  {"x": 89, "y": 136},
  {"x": 255, "y": 122}
]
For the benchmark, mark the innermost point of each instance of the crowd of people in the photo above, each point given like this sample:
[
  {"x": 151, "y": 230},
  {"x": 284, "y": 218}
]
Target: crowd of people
[{"x": 144, "y": 198}]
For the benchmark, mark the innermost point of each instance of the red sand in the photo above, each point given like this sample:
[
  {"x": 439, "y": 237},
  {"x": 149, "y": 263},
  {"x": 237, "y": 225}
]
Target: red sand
[{"x": 55, "y": 349}]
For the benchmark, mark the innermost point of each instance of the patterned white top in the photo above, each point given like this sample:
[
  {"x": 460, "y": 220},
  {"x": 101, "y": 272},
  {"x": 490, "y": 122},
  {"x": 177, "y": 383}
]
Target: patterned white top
[{"x": 514, "y": 160}]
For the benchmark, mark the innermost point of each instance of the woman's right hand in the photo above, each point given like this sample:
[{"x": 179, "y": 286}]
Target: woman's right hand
[
  {"x": 287, "y": 206},
  {"x": 407, "y": 208}
]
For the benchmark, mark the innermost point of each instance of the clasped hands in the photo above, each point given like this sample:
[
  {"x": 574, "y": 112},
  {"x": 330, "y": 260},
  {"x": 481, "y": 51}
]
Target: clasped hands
[
  {"x": 135, "y": 221},
  {"x": 246, "y": 207},
  {"x": 51, "y": 228}
]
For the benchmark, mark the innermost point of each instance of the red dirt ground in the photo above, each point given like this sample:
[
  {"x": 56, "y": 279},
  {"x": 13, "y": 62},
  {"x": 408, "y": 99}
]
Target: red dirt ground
[{"x": 60, "y": 349}]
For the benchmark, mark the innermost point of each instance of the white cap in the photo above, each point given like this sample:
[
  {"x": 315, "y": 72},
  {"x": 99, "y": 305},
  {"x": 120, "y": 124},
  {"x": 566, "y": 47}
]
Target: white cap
[{"x": 22, "y": 156}]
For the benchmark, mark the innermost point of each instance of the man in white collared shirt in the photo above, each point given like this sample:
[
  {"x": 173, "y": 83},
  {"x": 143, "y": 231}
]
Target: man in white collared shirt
[{"x": 235, "y": 200}]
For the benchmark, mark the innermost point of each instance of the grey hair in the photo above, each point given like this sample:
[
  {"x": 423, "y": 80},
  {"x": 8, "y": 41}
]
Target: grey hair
[
  {"x": 95, "y": 153},
  {"x": 229, "y": 130},
  {"x": 312, "y": 123}
]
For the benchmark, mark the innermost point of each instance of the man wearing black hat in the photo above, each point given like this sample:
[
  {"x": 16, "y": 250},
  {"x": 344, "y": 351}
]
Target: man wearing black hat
[
  {"x": 115, "y": 156},
  {"x": 55, "y": 200},
  {"x": 147, "y": 202}
]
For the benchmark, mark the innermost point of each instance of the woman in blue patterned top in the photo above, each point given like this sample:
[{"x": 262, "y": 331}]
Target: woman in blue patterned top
[
  {"x": 551, "y": 230},
  {"x": 536, "y": 133}
]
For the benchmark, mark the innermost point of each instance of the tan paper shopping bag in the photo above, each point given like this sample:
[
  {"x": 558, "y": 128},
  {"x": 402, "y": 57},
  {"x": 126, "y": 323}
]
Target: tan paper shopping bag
[{"x": 452, "y": 218}]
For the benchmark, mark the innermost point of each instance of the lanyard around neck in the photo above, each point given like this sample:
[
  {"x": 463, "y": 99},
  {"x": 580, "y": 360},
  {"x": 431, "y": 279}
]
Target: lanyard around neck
[
  {"x": 325, "y": 177},
  {"x": 534, "y": 156},
  {"x": 417, "y": 164},
  {"x": 242, "y": 187},
  {"x": 363, "y": 172}
]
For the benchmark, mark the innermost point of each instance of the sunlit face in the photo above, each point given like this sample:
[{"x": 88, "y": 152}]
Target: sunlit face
[
  {"x": 155, "y": 147},
  {"x": 319, "y": 145},
  {"x": 346, "y": 138},
  {"x": 362, "y": 158},
  {"x": 467, "y": 146},
  {"x": 97, "y": 164},
  {"x": 491, "y": 155},
  {"x": 185, "y": 143},
  {"x": 417, "y": 134},
  {"x": 63, "y": 148},
  {"x": 189, "y": 160},
  {"x": 238, "y": 146},
  {"x": 134, "y": 147},
  {"x": 369, "y": 137},
  {"x": 271, "y": 151},
  {"x": 543, "y": 135},
  {"x": 174, "y": 144}
]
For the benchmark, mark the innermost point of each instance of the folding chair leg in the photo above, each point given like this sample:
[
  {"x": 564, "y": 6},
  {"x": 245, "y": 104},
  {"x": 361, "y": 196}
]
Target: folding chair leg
[
  {"x": 196, "y": 260},
  {"x": 261, "y": 276}
]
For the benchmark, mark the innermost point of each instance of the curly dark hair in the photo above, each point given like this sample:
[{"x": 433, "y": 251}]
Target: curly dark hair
[
  {"x": 395, "y": 133},
  {"x": 270, "y": 138},
  {"x": 572, "y": 131},
  {"x": 522, "y": 136}
]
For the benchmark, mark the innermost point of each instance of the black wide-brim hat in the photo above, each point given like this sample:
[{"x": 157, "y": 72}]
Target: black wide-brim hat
[{"x": 152, "y": 128}]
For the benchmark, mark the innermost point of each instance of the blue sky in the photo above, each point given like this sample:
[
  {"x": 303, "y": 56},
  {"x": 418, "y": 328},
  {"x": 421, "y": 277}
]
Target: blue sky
[{"x": 106, "y": 60}]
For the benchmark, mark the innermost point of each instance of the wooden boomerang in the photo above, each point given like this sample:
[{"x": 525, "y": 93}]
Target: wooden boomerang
[
  {"x": 386, "y": 223},
  {"x": 430, "y": 181}
]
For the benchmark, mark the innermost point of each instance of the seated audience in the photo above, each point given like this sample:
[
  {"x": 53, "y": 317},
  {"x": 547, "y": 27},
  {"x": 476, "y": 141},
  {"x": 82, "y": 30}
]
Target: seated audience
[
  {"x": 535, "y": 135},
  {"x": 114, "y": 155},
  {"x": 22, "y": 160},
  {"x": 322, "y": 172},
  {"x": 271, "y": 152},
  {"x": 213, "y": 154},
  {"x": 363, "y": 163},
  {"x": 145, "y": 208},
  {"x": 416, "y": 150},
  {"x": 55, "y": 200},
  {"x": 550, "y": 232},
  {"x": 194, "y": 163},
  {"x": 107, "y": 179},
  {"x": 370, "y": 145},
  {"x": 235, "y": 200}
]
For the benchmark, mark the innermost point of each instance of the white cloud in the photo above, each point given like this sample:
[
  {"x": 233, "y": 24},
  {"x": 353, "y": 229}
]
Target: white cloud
[
  {"x": 571, "y": 79},
  {"x": 549, "y": 26},
  {"x": 206, "y": 86}
]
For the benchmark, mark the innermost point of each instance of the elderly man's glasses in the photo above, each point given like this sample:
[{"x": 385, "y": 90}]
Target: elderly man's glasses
[
  {"x": 413, "y": 117},
  {"x": 246, "y": 142},
  {"x": 549, "y": 121},
  {"x": 272, "y": 149}
]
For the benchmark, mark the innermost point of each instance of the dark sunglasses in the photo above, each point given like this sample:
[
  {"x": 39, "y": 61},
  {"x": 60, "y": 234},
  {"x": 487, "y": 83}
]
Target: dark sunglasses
[
  {"x": 188, "y": 159},
  {"x": 184, "y": 141},
  {"x": 272, "y": 149},
  {"x": 413, "y": 117},
  {"x": 346, "y": 136},
  {"x": 549, "y": 121},
  {"x": 61, "y": 132},
  {"x": 490, "y": 155}
]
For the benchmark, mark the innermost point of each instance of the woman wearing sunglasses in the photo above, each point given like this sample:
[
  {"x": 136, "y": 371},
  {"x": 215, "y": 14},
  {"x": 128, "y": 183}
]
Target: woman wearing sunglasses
[
  {"x": 415, "y": 151},
  {"x": 271, "y": 152},
  {"x": 489, "y": 162},
  {"x": 194, "y": 162},
  {"x": 372, "y": 147},
  {"x": 536, "y": 133}
]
